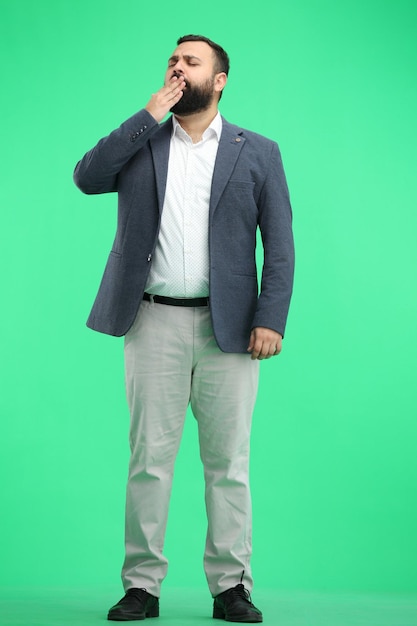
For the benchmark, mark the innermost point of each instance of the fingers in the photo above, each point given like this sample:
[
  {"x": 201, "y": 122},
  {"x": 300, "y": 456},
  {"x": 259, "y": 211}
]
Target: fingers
[
  {"x": 173, "y": 90},
  {"x": 176, "y": 80},
  {"x": 164, "y": 99},
  {"x": 264, "y": 343}
]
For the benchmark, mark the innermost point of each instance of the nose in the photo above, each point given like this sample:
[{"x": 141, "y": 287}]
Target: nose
[{"x": 178, "y": 68}]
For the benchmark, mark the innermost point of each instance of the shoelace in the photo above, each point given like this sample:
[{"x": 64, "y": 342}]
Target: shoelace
[
  {"x": 240, "y": 592},
  {"x": 134, "y": 592}
]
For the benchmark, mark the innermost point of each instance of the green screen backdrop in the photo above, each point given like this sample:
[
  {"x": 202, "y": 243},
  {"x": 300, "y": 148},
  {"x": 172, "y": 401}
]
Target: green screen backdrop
[{"x": 334, "y": 467}]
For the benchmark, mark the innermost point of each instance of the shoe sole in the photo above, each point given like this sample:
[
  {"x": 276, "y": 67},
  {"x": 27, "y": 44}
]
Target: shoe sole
[
  {"x": 242, "y": 620},
  {"x": 129, "y": 618}
]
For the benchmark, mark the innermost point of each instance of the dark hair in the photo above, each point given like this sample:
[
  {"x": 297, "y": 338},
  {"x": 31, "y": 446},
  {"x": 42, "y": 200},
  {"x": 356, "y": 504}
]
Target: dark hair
[{"x": 222, "y": 63}]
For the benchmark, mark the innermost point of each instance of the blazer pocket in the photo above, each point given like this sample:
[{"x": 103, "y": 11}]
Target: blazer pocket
[
  {"x": 240, "y": 191},
  {"x": 239, "y": 198},
  {"x": 247, "y": 185}
]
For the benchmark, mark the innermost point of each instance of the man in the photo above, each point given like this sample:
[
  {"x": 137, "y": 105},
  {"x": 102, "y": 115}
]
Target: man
[{"x": 181, "y": 285}]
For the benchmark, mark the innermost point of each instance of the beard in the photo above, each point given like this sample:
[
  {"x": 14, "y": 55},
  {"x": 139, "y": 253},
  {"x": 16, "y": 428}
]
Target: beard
[{"x": 195, "y": 98}]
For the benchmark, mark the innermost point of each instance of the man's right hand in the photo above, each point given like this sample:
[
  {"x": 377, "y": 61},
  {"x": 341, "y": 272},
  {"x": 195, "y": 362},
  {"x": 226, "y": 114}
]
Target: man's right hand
[{"x": 162, "y": 101}]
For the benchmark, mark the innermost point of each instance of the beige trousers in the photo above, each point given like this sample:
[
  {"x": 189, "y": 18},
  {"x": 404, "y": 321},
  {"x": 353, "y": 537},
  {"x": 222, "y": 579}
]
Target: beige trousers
[{"x": 171, "y": 360}]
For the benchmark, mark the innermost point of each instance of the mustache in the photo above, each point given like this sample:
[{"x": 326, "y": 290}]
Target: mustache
[{"x": 178, "y": 75}]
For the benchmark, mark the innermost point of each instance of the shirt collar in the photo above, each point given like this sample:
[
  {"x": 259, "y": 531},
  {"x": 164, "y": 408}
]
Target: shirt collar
[{"x": 214, "y": 127}]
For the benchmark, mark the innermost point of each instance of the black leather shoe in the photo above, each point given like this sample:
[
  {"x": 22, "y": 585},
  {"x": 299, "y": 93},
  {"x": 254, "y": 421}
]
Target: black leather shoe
[
  {"x": 136, "y": 604},
  {"x": 234, "y": 605}
]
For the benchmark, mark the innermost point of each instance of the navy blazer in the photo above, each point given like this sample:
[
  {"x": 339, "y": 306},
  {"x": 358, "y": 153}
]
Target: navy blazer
[{"x": 248, "y": 190}]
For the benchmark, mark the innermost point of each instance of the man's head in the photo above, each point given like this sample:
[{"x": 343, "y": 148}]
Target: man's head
[
  {"x": 221, "y": 58},
  {"x": 204, "y": 65}
]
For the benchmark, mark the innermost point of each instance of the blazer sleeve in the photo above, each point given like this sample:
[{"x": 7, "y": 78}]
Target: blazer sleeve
[
  {"x": 98, "y": 170},
  {"x": 275, "y": 223}
]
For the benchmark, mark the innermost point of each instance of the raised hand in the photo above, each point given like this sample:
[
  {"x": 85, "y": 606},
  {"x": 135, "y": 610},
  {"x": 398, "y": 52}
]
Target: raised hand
[{"x": 162, "y": 101}]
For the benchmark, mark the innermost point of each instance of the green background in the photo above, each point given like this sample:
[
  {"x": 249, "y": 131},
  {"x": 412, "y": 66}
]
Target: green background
[{"x": 334, "y": 437}]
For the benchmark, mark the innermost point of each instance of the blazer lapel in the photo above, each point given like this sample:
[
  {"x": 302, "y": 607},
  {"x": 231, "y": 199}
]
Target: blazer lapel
[
  {"x": 159, "y": 145},
  {"x": 230, "y": 145}
]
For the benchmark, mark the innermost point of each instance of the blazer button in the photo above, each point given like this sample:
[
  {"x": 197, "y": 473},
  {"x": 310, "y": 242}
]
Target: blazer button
[{"x": 135, "y": 135}]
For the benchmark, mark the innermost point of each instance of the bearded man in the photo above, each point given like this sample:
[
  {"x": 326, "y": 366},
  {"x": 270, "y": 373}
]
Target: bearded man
[{"x": 181, "y": 285}]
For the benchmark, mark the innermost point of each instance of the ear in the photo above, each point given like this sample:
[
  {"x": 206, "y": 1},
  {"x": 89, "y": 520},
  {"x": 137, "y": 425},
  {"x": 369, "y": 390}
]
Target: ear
[{"x": 220, "y": 81}]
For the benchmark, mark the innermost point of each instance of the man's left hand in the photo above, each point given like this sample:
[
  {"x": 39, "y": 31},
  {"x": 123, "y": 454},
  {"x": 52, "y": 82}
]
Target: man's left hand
[{"x": 264, "y": 343}]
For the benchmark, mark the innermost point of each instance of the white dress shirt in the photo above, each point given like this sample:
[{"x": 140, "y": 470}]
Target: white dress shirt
[{"x": 180, "y": 266}]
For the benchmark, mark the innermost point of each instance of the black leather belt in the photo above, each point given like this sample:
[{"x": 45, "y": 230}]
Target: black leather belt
[{"x": 176, "y": 301}]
